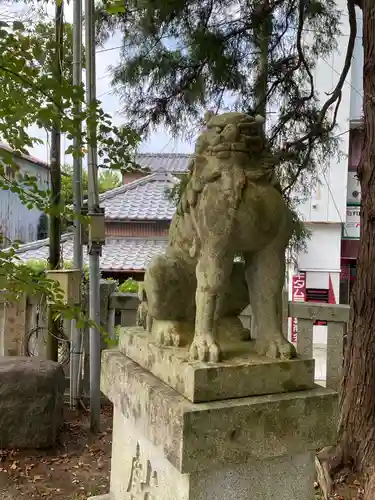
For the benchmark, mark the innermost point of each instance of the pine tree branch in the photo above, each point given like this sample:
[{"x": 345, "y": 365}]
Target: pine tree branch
[{"x": 318, "y": 130}]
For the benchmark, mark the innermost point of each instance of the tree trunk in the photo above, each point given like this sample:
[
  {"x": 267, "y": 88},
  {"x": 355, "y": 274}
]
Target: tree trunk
[
  {"x": 55, "y": 165},
  {"x": 357, "y": 396}
]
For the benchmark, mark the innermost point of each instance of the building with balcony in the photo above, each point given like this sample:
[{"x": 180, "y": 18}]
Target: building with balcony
[{"x": 327, "y": 267}]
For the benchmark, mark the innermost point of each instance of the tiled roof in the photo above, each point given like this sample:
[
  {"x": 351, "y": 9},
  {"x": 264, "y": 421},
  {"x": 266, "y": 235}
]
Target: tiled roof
[
  {"x": 119, "y": 254},
  {"x": 173, "y": 163},
  {"x": 143, "y": 199},
  {"x": 26, "y": 157}
]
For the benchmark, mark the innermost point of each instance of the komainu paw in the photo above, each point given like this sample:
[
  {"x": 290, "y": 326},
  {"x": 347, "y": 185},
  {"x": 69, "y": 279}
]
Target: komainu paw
[
  {"x": 277, "y": 348},
  {"x": 203, "y": 350}
]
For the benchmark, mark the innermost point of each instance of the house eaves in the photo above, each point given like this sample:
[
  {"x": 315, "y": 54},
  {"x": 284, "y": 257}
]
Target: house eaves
[{"x": 29, "y": 158}]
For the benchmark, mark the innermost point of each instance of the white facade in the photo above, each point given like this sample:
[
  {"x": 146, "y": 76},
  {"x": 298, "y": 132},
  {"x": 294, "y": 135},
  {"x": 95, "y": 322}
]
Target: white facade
[
  {"x": 332, "y": 212},
  {"x": 326, "y": 211},
  {"x": 322, "y": 260}
]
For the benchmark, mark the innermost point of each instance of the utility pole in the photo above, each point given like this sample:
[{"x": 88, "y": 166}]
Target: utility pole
[
  {"x": 55, "y": 200},
  {"x": 76, "y": 334},
  {"x": 96, "y": 220}
]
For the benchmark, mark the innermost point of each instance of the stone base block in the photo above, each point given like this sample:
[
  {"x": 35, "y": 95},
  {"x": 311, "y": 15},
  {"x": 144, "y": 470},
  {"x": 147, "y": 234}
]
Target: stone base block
[
  {"x": 108, "y": 496},
  {"x": 140, "y": 471},
  {"x": 167, "y": 448},
  {"x": 31, "y": 402},
  {"x": 243, "y": 373}
]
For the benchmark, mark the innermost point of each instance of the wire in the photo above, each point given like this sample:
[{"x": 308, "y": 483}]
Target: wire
[
  {"x": 341, "y": 133},
  {"x": 105, "y": 93},
  {"x": 339, "y": 74},
  {"x": 334, "y": 201},
  {"x": 166, "y": 145},
  {"x": 108, "y": 50}
]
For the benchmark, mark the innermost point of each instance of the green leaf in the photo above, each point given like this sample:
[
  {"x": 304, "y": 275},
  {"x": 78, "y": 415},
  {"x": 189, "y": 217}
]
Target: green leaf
[
  {"x": 18, "y": 26},
  {"x": 116, "y": 8}
]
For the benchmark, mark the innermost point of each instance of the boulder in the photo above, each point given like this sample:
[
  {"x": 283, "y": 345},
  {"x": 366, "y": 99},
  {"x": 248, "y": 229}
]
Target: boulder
[{"x": 31, "y": 402}]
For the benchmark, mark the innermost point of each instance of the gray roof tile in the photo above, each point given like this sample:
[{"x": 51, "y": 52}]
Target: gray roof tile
[
  {"x": 143, "y": 199},
  {"x": 173, "y": 163},
  {"x": 119, "y": 254},
  {"x": 26, "y": 157}
]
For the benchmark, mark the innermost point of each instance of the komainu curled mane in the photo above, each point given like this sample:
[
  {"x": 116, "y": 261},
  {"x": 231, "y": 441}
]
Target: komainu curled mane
[{"x": 232, "y": 205}]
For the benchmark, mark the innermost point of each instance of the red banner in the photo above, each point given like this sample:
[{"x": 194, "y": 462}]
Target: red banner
[{"x": 298, "y": 295}]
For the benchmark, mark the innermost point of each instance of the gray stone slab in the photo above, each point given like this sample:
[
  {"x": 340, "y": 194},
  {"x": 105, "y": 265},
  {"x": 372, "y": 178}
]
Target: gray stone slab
[
  {"x": 31, "y": 402},
  {"x": 139, "y": 471},
  {"x": 107, "y": 496},
  {"x": 193, "y": 437},
  {"x": 241, "y": 374}
]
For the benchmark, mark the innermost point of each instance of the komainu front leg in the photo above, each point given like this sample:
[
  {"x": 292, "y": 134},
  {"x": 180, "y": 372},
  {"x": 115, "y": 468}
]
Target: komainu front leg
[
  {"x": 212, "y": 276},
  {"x": 265, "y": 275}
]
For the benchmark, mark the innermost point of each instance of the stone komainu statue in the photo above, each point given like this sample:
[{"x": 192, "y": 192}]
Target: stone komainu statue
[{"x": 232, "y": 205}]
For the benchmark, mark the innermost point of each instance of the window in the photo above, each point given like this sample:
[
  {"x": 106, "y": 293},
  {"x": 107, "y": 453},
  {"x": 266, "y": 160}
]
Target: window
[{"x": 42, "y": 232}]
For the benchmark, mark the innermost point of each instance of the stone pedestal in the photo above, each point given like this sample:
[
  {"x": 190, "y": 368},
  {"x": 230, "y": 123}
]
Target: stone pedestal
[
  {"x": 241, "y": 373},
  {"x": 166, "y": 447}
]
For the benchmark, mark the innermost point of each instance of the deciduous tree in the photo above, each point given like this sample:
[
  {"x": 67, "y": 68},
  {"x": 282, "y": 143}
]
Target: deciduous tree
[
  {"x": 30, "y": 95},
  {"x": 107, "y": 179}
]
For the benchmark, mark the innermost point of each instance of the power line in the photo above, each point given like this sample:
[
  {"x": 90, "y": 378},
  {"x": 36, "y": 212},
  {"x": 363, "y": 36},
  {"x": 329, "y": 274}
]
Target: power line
[
  {"x": 347, "y": 83},
  {"x": 105, "y": 93},
  {"x": 334, "y": 202},
  {"x": 108, "y": 50},
  {"x": 166, "y": 145}
]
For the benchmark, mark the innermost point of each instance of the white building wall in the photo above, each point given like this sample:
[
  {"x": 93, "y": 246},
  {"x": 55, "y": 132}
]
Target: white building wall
[
  {"x": 325, "y": 211},
  {"x": 328, "y": 200},
  {"x": 321, "y": 260}
]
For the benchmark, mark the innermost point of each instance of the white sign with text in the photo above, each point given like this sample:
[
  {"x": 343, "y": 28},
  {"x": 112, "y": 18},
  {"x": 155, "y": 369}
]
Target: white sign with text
[{"x": 351, "y": 229}]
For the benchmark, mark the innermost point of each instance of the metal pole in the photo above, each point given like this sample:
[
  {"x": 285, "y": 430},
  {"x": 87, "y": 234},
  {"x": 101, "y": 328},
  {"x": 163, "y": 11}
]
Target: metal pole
[
  {"x": 76, "y": 334},
  {"x": 93, "y": 206}
]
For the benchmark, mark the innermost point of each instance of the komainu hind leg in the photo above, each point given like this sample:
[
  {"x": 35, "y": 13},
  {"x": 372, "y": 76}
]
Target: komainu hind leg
[
  {"x": 265, "y": 275},
  {"x": 169, "y": 286}
]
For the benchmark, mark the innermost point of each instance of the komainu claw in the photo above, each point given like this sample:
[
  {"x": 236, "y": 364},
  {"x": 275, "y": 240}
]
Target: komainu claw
[{"x": 202, "y": 350}]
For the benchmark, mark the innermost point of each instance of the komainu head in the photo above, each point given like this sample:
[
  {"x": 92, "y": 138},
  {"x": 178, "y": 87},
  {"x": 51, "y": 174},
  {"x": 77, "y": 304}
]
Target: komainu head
[{"x": 231, "y": 134}]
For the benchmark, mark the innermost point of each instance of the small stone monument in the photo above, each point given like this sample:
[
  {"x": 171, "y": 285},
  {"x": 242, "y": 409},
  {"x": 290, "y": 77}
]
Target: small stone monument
[{"x": 201, "y": 410}]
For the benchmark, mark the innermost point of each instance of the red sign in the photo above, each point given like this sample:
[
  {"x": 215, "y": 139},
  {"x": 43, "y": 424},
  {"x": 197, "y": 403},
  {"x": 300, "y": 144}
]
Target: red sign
[{"x": 298, "y": 295}]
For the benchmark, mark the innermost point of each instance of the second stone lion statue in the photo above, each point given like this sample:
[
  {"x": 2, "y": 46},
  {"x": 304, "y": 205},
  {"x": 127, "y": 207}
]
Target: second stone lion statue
[{"x": 226, "y": 247}]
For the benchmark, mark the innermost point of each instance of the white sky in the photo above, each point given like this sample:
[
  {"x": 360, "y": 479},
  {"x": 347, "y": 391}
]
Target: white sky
[{"x": 159, "y": 142}]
